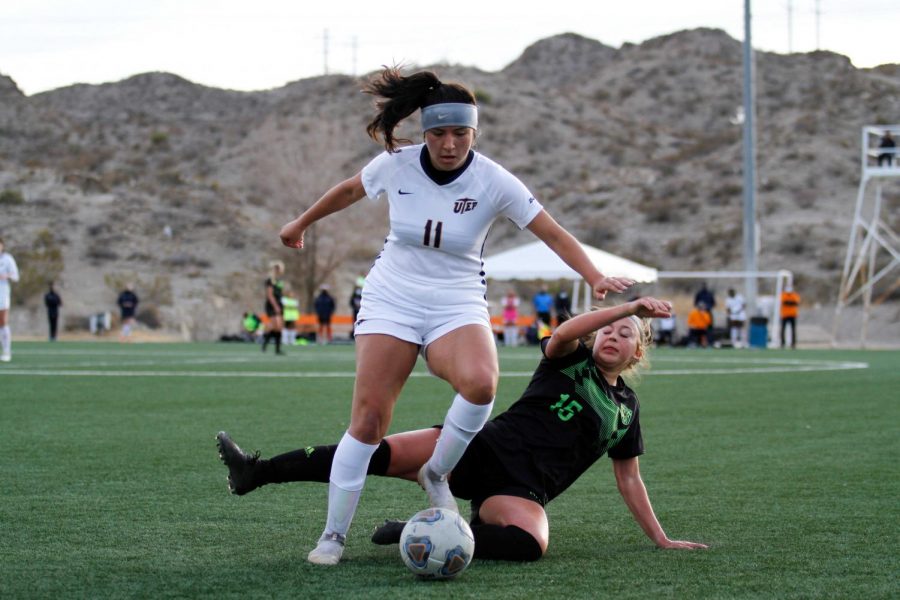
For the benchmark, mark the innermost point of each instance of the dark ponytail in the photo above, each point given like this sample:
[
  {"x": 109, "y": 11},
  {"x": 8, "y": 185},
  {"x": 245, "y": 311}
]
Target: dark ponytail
[{"x": 400, "y": 96}]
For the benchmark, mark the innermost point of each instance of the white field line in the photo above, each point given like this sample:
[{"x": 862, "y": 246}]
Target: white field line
[{"x": 792, "y": 367}]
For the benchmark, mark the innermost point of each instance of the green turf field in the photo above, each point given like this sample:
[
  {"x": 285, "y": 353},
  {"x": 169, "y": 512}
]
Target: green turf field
[{"x": 784, "y": 462}]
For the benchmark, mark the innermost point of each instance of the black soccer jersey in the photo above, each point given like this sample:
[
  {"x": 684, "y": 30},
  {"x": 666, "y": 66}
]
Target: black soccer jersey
[
  {"x": 277, "y": 286},
  {"x": 566, "y": 419}
]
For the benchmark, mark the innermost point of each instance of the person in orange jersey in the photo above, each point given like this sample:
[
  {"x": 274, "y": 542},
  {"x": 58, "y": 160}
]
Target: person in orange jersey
[{"x": 790, "y": 307}]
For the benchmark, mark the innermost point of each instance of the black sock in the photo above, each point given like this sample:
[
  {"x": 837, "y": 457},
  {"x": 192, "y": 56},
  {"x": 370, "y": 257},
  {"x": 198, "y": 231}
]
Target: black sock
[
  {"x": 313, "y": 463},
  {"x": 277, "y": 335},
  {"x": 493, "y": 542}
]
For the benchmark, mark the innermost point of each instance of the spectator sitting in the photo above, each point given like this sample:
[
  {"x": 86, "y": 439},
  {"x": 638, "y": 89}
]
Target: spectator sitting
[
  {"x": 888, "y": 143},
  {"x": 665, "y": 330},
  {"x": 251, "y": 324},
  {"x": 563, "y": 306}
]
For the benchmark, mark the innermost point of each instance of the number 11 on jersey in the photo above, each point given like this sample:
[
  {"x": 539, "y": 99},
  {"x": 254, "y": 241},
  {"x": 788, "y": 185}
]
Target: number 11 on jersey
[{"x": 437, "y": 233}]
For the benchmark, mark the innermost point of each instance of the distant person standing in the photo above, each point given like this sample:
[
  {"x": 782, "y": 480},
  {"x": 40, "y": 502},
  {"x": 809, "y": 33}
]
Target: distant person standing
[
  {"x": 9, "y": 271},
  {"x": 511, "y": 319},
  {"x": 887, "y": 142},
  {"x": 790, "y": 307},
  {"x": 324, "y": 305},
  {"x": 128, "y": 303},
  {"x": 273, "y": 306},
  {"x": 543, "y": 303},
  {"x": 737, "y": 317},
  {"x": 52, "y": 301},
  {"x": 355, "y": 305},
  {"x": 563, "y": 305},
  {"x": 291, "y": 315}
]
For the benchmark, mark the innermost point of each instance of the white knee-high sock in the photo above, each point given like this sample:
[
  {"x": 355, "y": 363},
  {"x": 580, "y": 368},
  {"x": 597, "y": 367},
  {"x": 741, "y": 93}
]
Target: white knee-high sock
[
  {"x": 462, "y": 422},
  {"x": 5, "y": 339},
  {"x": 348, "y": 475}
]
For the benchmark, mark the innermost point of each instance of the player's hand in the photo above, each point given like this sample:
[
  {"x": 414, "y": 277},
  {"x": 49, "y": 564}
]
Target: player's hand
[
  {"x": 610, "y": 284},
  {"x": 649, "y": 308},
  {"x": 292, "y": 235},
  {"x": 681, "y": 545}
]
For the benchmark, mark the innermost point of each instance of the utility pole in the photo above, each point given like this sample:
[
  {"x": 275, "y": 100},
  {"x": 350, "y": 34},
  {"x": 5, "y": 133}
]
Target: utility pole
[
  {"x": 818, "y": 24},
  {"x": 790, "y": 24},
  {"x": 750, "y": 250},
  {"x": 325, "y": 50}
]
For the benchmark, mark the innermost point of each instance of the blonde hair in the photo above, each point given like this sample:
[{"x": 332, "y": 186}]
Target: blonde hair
[{"x": 276, "y": 264}]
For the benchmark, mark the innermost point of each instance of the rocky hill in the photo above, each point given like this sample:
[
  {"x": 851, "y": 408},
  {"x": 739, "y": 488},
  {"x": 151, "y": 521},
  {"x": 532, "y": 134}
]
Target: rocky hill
[{"x": 181, "y": 189}]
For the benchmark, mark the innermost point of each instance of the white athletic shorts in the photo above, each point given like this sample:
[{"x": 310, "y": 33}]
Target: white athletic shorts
[
  {"x": 419, "y": 314},
  {"x": 4, "y": 297}
]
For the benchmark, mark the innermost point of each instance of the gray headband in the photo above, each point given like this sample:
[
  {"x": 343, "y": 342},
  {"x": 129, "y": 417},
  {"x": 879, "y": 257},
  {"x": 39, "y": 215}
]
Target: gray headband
[{"x": 449, "y": 114}]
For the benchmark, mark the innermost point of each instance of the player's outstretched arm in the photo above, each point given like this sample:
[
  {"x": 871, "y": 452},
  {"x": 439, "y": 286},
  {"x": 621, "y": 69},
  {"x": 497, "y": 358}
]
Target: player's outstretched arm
[
  {"x": 565, "y": 339},
  {"x": 336, "y": 199},
  {"x": 631, "y": 486},
  {"x": 570, "y": 251}
]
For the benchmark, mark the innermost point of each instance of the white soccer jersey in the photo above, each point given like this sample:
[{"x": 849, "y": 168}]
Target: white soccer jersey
[
  {"x": 7, "y": 267},
  {"x": 438, "y": 231},
  {"x": 736, "y": 308}
]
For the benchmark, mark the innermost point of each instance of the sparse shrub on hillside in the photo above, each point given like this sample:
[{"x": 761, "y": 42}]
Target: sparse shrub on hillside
[
  {"x": 830, "y": 260},
  {"x": 704, "y": 144},
  {"x": 11, "y": 197},
  {"x": 483, "y": 97},
  {"x": 171, "y": 178},
  {"x": 38, "y": 265},
  {"x": 99, "y": 251},
  {"x": 727, "y": 194},
  {"x": 798, "y": 242},
  {"x": 149, "y": 316},
  {"x": 78, "y": 158},
  {"x": 159, "y": 139},
  {"x": 658, "y": 210},
  {"x": 806, "y": 125},
  {"x": 600, "y": 231},
  {"x": 180, "y": 261},
  {"x": 805, "y": 198},
  {"x": 625, "y": 92}
]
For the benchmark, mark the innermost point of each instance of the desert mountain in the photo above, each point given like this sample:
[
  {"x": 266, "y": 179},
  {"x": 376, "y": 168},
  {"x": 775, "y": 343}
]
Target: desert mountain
[{"x": 181, "y": 189}]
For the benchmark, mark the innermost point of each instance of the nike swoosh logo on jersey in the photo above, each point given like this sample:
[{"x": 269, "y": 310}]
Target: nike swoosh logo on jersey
[{"x": 402, "y": 193}]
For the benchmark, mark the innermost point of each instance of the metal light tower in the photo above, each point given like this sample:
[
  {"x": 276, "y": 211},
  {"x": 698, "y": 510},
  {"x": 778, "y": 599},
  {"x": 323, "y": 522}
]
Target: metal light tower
[{"x": 750, "y": 227}]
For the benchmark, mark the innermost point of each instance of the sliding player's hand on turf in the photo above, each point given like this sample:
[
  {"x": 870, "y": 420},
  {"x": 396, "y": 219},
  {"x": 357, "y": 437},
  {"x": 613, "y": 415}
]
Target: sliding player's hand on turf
[
  {"x": 610, "y": 284},
  {"x": 650, "y": 308},
  {"x": 681, "y": 545},
  {"x": 292, "y": 235}
]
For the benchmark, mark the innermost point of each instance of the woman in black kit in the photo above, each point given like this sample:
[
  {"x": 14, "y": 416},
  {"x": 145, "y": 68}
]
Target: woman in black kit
[{"x": 575, "y": 409}]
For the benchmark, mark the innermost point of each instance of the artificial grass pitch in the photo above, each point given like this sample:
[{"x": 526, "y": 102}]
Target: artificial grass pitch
[{"x": 112, "y": 486}]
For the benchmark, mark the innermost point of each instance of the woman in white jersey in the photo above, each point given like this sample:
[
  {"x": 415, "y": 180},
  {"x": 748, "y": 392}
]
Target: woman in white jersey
[
  {"x": 9, "y": 271},
  {"x": 427, "y": 287}
]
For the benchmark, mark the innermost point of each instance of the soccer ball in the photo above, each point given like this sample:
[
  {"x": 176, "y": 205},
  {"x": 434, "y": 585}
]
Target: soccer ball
[{"x": 437, "y": 543}]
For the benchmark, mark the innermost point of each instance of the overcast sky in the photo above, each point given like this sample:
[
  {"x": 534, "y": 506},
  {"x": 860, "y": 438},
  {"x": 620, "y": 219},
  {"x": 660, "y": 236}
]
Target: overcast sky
[{"x": 260, "y": 44}]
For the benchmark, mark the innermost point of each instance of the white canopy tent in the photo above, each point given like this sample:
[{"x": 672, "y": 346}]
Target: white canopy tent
[{"x": 537, "y": 261}]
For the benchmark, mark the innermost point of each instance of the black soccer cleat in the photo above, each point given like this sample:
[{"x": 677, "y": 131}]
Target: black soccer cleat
[
  {"x": 388, "y": 533},
  {"x": 242, "y": 467}
]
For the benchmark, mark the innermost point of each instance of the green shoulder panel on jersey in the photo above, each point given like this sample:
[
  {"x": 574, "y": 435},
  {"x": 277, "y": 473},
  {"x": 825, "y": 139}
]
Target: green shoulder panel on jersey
[{"x": 613, "y": 420}]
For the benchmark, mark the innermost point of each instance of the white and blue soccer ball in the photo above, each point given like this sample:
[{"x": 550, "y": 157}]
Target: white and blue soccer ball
[{"x": 437, "y": 543}]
